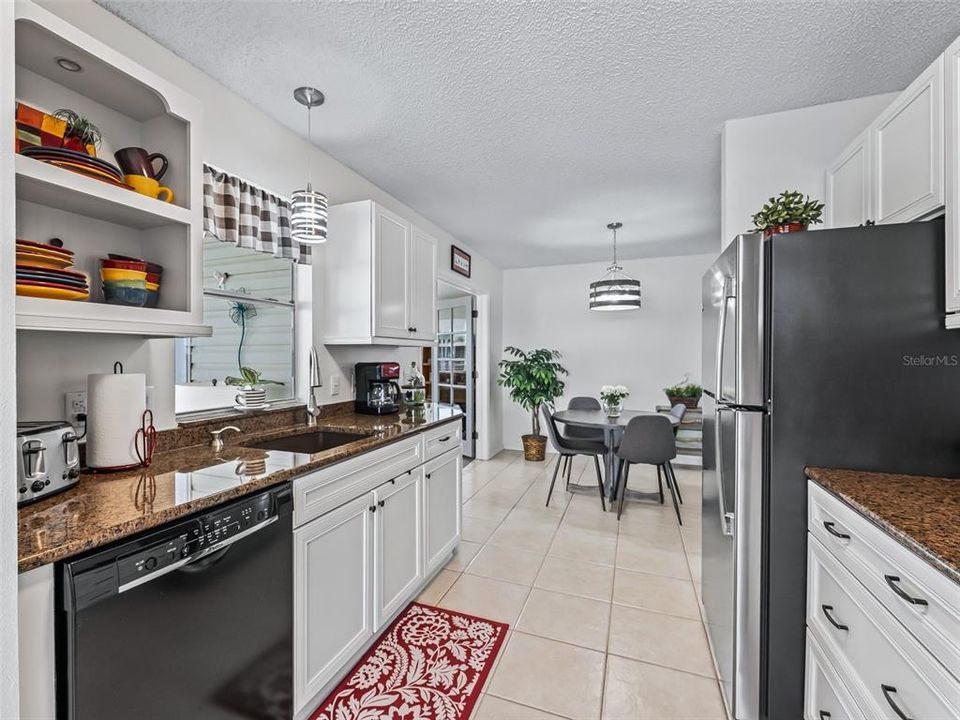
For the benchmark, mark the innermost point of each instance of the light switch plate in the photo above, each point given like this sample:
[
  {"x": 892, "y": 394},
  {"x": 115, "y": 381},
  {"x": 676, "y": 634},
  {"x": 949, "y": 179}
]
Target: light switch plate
[{"x": 335, "y": 384}]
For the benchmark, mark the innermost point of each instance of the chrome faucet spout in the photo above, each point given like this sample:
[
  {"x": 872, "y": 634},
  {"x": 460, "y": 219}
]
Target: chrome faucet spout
[{"x": 314, "y": 381}]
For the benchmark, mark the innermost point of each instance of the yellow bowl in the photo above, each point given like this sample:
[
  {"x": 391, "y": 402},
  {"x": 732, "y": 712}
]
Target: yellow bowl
[
  {"x": 108, "y": 274},
  {"x": 153, "y": 286}
]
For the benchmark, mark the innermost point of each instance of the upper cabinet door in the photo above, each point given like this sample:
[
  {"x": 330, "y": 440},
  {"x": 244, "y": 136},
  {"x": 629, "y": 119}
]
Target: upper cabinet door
[
  {"x": 423, "y": 286},
  {"x": 908, "y": 150},
  {"x": 849, "y": 193},
  {"x": 390, "y": 259},
  {"x": 951, "y": 59}
]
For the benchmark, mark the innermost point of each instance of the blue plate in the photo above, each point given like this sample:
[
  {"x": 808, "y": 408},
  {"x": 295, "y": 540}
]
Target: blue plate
[{"x": 51, "y": 277}]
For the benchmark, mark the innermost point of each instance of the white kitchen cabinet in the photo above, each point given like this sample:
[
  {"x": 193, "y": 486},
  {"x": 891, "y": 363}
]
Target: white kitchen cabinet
[
  {"x": 441, "y": 508},
  {"x": 36, "y": 608},
  {"x": 333, "y": 594},
  {"x": 951, "y": 71},
  {"x": 379, "y": 278},
  {"x": 398, "y": 547},
  {"x": 848, "y": 184},
  {"x": 907, "y": 144}
]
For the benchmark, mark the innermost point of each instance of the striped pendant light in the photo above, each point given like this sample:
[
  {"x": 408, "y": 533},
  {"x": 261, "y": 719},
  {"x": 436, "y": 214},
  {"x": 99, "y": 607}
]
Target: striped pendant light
[
  {"x": 308, "y": 208},
  {"x": 615, "y": 290}
]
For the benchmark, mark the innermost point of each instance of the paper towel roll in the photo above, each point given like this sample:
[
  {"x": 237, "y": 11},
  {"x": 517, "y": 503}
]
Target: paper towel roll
[{"x": 115, "y": 405}]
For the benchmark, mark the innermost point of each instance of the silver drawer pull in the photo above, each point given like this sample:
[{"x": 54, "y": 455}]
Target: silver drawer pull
[
  {"x": 889, "y": 690},
  {"x": 892, "y": 581},
  {"x": 826, "y": 613},
  {"x": 836, "y": 533},
  {"x": 444, "y": 439}
]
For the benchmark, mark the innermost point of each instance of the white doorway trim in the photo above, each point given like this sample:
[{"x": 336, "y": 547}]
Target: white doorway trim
[{"x": 485, "y": 445}]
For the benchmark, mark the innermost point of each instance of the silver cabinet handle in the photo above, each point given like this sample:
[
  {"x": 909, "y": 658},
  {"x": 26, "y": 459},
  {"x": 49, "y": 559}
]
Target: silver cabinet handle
[
  {"x": 888, "y": 692},
  {"x": 827, "y": 614},
  {"x": 836, "y": 533}
]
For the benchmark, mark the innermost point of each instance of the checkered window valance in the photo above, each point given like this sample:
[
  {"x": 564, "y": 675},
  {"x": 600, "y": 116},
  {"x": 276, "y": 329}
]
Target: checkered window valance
[{"x": 234, "y": 211}]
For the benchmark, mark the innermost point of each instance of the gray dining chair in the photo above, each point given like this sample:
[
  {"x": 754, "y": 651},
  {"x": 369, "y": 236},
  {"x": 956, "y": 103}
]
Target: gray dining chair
[
  {"x": 582, "y": 402},
  {"x": 569, "y": 447},
  {"x": 679, "y": 411},
  {"x": 647, "y": 440}
]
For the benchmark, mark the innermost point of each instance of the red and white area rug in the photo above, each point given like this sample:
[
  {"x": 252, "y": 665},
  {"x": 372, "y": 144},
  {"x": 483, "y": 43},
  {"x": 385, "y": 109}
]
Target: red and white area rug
[{"x": 430, "y": 664}]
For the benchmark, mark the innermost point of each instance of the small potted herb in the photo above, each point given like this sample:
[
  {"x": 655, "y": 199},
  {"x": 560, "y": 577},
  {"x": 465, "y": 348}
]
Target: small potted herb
[
  {"x": 685, "y": 393},
  {"x": 81, "y": 135},
  {"x": 791, "y": 211}
]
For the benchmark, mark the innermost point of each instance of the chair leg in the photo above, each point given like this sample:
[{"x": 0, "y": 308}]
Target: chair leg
[
  {"x": 563, "y": 473},
  {"x": 556, "y": 469},
  {"x": 672, "y": 484},
  {"x": 596, "y": 464},
  {"x": 623, "y": 487},
  {"x": 660, "y": 483},
  {"x": 676, "y": 485},
  {"x": 569, "y": 469}
]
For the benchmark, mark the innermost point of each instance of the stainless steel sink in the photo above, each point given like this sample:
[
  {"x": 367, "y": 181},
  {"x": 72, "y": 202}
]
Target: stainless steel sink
[{"x": 310, "y": 442}]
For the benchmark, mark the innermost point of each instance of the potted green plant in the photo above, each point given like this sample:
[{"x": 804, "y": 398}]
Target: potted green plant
[
  {"x": 790, "y": 211},
  {"x": 81, "y": 135},
  {"x": 533, "y": 379},
  {"x": 685, "y": 393},
  {"x": 249, "y": 378}
]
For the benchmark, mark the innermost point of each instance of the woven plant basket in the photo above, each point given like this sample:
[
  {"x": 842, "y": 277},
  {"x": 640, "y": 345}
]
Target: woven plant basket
[
  {"x": 690, "y": 402},
  {"x": 534, "y": 447}
]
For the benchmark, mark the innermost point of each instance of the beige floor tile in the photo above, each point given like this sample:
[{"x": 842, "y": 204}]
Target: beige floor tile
[
  {"x": 576, "y": 577},
  {"x": 438, "y": 586},
  {"x": 663, "y": 536},
  {"x": 478, "y": 529},
  {"x": 486, "y": 598},
  {"x": 496, "y": 662},
  {"x": 524, "y": 517},
  {"x": 595, "y": 523},
  {"x": 567, "y": 618},
  {"x": 653, "y": 560},
  {"x": 574, "y": 544},
  {"x": 519, "y": 537},
  {"x": 657, "y": 593},
  {"x": 536, "y": 497},
  {"x": 463, "y": 555},
  {"x": 508, "y": 564},
  {"x": 639, "y": 691},
  {"x": 494, "y": 708},
  {"x": 660, "y": 639},
  {"x": 696, "y": 566},
  {"x": 549, "y": 675},
  {"x": 486, "y": 509}
]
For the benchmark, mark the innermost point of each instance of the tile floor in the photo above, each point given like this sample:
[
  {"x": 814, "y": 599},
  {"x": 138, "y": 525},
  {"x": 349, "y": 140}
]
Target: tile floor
[{"x": 605, "y": 618}]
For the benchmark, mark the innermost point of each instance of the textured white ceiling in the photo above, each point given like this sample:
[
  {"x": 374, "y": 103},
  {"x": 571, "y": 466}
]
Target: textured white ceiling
[{"x": 523, "y": 128}]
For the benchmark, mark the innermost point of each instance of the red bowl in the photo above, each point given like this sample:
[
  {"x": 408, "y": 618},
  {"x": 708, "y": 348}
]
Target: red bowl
[
  {"x": 153, "y": 278},
  {"x": 124, "y": 264}
]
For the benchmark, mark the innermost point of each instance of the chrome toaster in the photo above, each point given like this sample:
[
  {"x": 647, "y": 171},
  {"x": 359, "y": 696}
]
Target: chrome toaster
[{"x": 48, "y": 459}]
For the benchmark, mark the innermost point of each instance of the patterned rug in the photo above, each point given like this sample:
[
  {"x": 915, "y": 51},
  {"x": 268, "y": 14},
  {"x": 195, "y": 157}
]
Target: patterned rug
[{"x": 430, "y": 664}]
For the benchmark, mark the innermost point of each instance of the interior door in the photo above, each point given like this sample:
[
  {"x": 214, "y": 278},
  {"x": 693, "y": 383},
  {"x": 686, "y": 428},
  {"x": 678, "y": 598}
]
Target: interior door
[
  {"x": 391, "y": 251},
  {"x": 455, "y": 362},
  {"x": 399, "y": 555}
]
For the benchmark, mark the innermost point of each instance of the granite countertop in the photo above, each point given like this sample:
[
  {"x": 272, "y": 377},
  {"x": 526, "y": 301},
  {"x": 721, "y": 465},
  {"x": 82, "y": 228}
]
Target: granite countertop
[
  {"x": 922, "y": 513},
  {"x": 183, "y": 480}
]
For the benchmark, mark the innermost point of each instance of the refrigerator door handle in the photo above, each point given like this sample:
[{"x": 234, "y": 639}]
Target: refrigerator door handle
[
  {"x": 721, "y": 335},
  {"x": 726, "y": 518}
]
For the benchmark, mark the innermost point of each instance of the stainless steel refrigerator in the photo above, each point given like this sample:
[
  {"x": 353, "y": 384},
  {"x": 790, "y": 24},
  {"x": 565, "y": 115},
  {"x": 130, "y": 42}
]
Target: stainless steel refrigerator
[{"x": 823, "y": 348}]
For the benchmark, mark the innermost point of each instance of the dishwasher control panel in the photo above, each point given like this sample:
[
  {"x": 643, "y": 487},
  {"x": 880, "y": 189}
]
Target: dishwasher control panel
[{"x": 194, "y": 539}]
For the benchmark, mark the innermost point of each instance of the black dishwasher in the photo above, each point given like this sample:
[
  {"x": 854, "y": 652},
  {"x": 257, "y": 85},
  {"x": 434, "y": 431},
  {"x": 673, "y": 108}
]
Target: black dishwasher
[{"x": 194, "y": 620}]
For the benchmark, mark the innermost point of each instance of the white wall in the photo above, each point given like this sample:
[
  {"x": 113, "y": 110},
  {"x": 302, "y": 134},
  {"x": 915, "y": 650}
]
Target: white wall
[
  {"x": 9, "y": 705},
  {"x": 240, "y": 139},
  {"x": 764, "y": 155},
  {"x": 646, "y": 349}
]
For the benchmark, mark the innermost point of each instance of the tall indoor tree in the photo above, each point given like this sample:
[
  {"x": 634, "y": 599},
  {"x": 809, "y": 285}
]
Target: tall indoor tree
[{"x": 533, "y": 378}]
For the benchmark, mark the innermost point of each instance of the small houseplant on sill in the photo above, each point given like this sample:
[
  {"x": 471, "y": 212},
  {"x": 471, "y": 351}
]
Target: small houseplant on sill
[
  {"x": 686, "y": 393},
  {"x": 533, "y": 379},
  {"x": 790, "y": 211},
  {"x": 611, "y": 399}
]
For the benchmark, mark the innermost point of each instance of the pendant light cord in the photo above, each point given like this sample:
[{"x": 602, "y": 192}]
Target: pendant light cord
[
  {"x": 309, "y": 152},
  {"x": 615, "y": 249}
]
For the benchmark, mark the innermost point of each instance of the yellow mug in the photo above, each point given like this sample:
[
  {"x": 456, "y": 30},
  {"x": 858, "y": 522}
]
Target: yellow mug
[{"x": 149, "y": 187}]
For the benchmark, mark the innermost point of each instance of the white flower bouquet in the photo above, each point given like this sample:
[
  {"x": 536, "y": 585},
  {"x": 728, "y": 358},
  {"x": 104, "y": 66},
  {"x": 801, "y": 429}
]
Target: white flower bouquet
[{"x": 613, "y": 394}]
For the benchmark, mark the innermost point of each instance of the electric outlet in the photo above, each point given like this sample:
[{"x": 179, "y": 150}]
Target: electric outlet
[
  {"x": 74, "y": 404},
  {"x": 335, "y": 384}
]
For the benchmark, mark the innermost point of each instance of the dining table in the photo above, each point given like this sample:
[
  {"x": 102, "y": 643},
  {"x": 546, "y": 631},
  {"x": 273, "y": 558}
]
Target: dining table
[{"x": 613, "y": 428}]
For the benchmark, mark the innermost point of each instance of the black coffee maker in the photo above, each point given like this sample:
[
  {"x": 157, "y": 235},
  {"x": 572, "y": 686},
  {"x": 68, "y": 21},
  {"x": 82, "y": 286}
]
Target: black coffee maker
[{"x": 377, "y": 389}]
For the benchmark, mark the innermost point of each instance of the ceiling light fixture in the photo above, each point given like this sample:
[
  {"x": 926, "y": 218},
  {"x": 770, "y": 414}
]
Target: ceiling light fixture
[
  {"x": 615, "y": 290},
  {"x": 308, "y": 208},
  {"x": 69, "y": 65}
]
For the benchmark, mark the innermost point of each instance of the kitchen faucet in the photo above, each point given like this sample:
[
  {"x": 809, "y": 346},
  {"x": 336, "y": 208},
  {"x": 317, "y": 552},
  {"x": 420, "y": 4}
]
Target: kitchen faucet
[{"x": 313, "y": 382}]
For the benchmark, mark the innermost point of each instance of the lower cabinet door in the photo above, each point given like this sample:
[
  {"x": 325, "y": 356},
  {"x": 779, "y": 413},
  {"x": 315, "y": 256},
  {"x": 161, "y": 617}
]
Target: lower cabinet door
[
  {"x": 441, "y": 508},
  {"x": 333, "y": 593},
  {"x": 399, "y": 551}
]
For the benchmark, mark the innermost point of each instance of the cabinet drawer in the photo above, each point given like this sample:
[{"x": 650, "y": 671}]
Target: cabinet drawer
[
  {"x": 326, "y": 489},
  {"x": 438, "y": 440},
  {"x": 825, "y": 696},
  {"x": 893, "y": 574},
  {"x": 886, "y": 670}
]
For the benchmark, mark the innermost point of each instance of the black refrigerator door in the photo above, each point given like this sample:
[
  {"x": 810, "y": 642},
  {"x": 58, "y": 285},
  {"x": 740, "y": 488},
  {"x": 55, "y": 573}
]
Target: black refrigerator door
[{"x": 863, "y": 375}]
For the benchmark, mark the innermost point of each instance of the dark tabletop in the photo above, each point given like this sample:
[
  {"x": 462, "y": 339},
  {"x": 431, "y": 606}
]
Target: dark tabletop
[{"x": 599, "y": 419}]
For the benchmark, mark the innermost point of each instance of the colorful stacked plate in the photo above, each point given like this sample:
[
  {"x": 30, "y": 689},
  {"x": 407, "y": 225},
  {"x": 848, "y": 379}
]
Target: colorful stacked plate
[
  {"x": 41, "y": 272},
  {"x": 78, "y": 162}
]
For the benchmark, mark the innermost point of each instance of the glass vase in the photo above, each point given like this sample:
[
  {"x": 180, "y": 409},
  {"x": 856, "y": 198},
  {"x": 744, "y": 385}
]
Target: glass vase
[{"x": 612, "y": 408}]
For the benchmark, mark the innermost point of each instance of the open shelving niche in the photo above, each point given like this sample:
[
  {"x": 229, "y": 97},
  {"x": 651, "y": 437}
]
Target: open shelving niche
[{"x": 132, "y": 107}]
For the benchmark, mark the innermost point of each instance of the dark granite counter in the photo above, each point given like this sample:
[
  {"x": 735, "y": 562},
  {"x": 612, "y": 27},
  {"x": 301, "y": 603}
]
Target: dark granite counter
[
  {"x": 185, "y": 478},
  {"x": 922, "y": 513}
]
